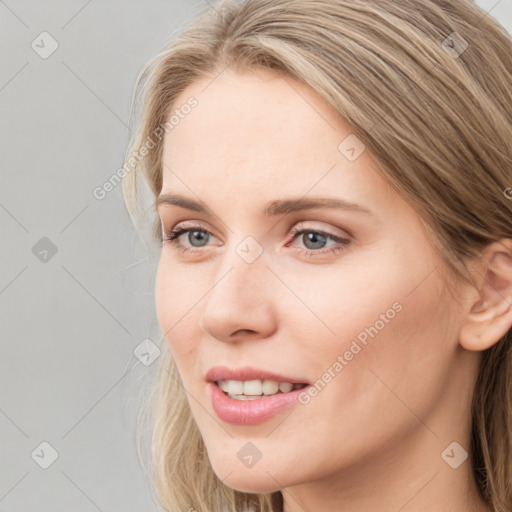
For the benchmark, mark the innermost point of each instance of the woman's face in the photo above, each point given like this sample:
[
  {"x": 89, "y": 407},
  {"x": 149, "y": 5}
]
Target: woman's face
[{"x": 352, "y": 303}]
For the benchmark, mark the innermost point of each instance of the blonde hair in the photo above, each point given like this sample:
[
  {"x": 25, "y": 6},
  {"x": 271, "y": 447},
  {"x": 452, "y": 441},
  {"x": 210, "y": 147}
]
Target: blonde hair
[{"x": 436, "y": 115}]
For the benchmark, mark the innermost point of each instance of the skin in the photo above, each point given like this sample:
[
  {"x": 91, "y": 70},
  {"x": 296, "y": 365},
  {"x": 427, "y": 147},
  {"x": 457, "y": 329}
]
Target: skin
[{"x": 372, "y": 439}]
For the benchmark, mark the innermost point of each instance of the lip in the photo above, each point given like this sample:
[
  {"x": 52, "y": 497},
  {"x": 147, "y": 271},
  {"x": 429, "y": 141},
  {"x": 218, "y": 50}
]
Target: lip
[
  {"x": 248, "y": 373},
  {"x": 249, "y": 412}
]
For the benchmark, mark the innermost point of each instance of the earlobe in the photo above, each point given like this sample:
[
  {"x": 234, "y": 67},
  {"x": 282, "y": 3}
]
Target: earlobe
[{"x": 490, "y": 315}]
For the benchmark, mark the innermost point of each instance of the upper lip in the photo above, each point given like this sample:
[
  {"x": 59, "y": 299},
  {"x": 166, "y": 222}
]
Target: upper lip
[{"x": 248, "y": 373}]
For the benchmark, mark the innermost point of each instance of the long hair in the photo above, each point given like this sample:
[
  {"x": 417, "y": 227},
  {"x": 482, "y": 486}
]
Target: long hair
[{"x": 427, "y": 86}]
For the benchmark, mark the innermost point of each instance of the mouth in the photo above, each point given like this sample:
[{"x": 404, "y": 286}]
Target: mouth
[
  {"x": 248, "y": 402},
  {"x": 256, "y": 389}
]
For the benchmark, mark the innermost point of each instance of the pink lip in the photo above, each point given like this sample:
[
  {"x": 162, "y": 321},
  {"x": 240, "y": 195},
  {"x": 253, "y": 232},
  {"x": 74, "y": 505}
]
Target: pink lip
[
  {"x": 248, "y": 373},
  {"x": 248, "y": 412}
]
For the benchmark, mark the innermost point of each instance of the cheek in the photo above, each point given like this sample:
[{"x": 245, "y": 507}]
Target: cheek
[
  {"x": 175, "y": 298},
  {"x": 384, "y": 311},
  {"x": 405, "y": 366},
  {"x": 165, "y": 296},
  {"x": 396, "y": 307}
]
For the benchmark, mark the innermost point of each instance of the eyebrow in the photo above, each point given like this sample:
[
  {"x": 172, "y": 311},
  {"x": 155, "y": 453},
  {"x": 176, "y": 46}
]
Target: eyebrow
[{"x": 276, "y": 207}]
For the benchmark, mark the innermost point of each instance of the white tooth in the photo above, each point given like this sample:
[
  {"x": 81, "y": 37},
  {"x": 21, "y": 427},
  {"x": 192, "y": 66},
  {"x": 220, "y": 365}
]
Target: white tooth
[
  {"x": 285, "y": 387},
  {"x": 235, "y": 387},
  {"x": 252, "y": 387},
  {"x": 255, "y": 388},
  {"x": 270, "y": 387},
  {"x": 244, "y": 397},
  {"x": 223, "y": 385}
]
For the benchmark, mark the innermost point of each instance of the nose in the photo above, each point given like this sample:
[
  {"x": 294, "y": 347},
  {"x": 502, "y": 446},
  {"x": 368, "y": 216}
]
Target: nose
[{"x": 239, "y": 305}]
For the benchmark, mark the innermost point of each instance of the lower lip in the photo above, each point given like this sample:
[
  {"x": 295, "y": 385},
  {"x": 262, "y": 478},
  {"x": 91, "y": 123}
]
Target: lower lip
[{"x": 248, "y": 412}]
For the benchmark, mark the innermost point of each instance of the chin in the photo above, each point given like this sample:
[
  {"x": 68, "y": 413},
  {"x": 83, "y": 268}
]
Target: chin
[
  {"x": 252, "y": 484},
  {"x": 249, "y": 480}
]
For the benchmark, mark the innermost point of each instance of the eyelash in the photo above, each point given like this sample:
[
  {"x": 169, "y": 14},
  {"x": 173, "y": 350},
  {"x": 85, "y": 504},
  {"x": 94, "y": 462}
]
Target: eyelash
[{"x": 295, "y": 232}]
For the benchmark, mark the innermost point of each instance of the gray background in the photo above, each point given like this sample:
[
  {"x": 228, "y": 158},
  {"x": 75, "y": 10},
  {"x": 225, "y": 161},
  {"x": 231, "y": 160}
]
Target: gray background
[{"x": 71, "y": 320}]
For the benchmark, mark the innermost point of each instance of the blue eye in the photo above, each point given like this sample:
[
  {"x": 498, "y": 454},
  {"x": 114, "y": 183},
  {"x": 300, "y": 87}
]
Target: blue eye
[
  {"x": 315, "y": 240},
  {"x": 192, "y": 232},
  {"x": 315, "y": 237}
]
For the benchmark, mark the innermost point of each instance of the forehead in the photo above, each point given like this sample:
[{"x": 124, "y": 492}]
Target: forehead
[{"x": 261, "y": 133}]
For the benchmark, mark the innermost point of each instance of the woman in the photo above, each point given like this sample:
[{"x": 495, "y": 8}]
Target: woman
[{"x": 332, "y": 186}]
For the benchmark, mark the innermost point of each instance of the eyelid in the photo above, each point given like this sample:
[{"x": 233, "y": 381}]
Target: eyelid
[
  {"x": 186, "y": 224},
  {"x": 330, "y": 230}
]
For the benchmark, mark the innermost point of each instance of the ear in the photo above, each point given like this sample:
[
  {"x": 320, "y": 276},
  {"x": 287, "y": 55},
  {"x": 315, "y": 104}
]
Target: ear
[{"x": 489, "y": 315}]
